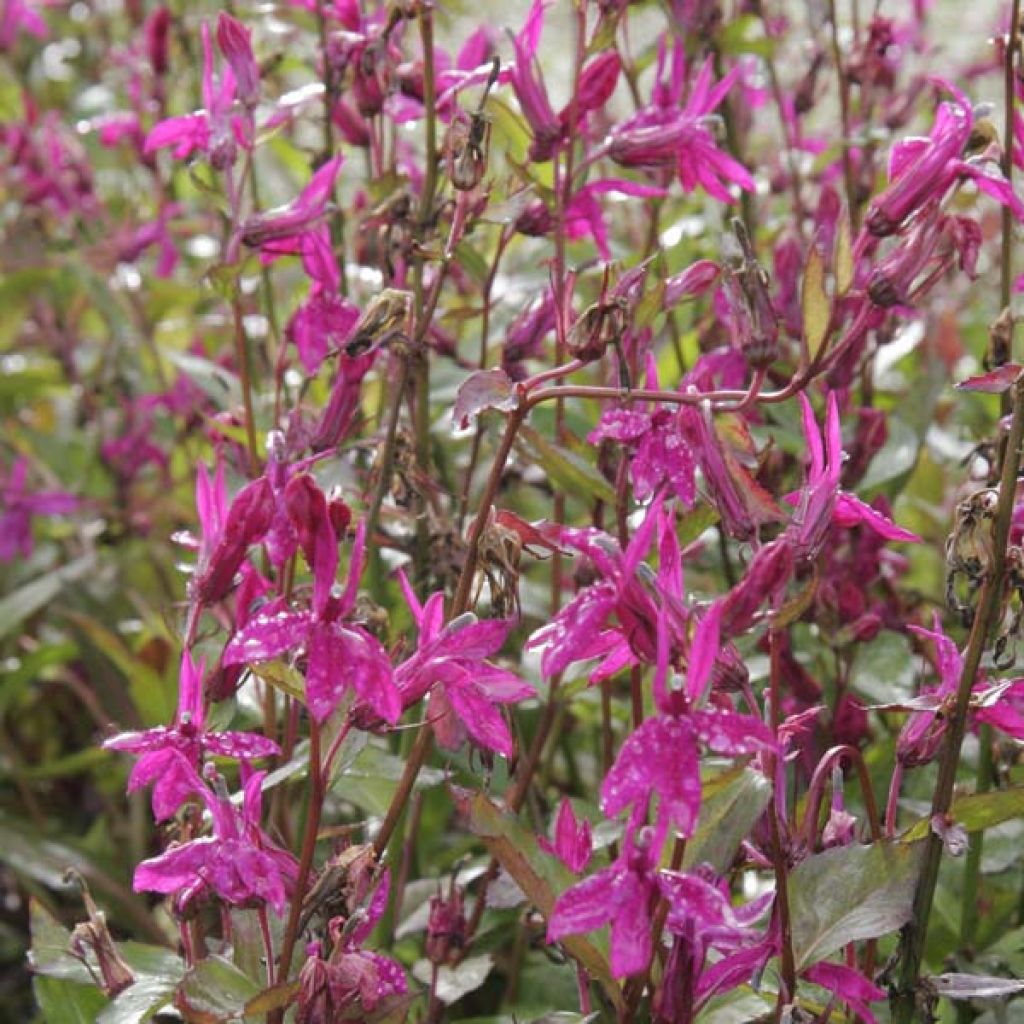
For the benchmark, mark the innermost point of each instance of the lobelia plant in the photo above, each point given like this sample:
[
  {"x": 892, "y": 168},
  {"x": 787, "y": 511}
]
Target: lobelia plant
[{"x": 586, "y": 542}]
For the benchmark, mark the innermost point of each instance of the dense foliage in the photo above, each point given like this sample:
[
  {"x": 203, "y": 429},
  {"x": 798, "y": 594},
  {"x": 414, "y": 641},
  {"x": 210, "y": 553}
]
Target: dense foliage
[{"x": 510, "y": 525}]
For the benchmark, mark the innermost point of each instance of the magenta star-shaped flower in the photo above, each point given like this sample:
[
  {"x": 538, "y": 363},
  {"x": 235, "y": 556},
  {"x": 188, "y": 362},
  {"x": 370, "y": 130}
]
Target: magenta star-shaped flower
[
  {"x": 660, "y": 757},
  {"x": 340, "y": 655},
  {"x": 450, "y": 662},
  {"x": 170, "y": 755},
  {"x": 238, "y": 862}
]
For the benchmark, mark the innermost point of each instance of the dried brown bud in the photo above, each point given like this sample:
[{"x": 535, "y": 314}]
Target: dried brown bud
[
  {"x": 599, "y": 326},
  {"x": 93, "y": 938},
  {"x": 466, "y": 146},
  {"x": 1000, "y": 341},
  {"x": 381, "y": 320}
]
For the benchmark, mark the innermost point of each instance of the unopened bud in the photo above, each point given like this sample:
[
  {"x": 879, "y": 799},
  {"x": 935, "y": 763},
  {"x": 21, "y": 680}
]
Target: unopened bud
[
  {"x": 235, "y": 42},
  {"x": 446, "y": 926}
]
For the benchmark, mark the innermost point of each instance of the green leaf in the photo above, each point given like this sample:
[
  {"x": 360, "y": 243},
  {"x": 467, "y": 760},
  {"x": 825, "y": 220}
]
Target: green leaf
[
  {"x": 216, "y": 990},
  {"x": 976, "y": 812},
  {"x": 29, "y": 667},
  {"x": 455, "y": 982},
  {"x": 50, "y": 953},
  {"x": 542, "y": 877},
  {"x": 67, "y": 1002},
  {"x": 883, "y": 669},
  {"x": 273, "y": 998},
  {"x": 31, "y": 856},
  {"x": 568, "y": 471},
  {"x": 743, "y": 35},
  {"x": 649, "y": 306},
  {"x": 139, "y": 1002},
  {"x": 850, "y": 893},
  {"x": 24, "y": 602},
  {"x": 817, "y": 310},
  {"x": 727, "y": 814},
  {"x": 288, "y": 680},
  {"x": 371, "y": 780},
  {"x": 152, "y": 698},
  {"x": 157, "y": 971},
  {"x": 221, "y": 385}
]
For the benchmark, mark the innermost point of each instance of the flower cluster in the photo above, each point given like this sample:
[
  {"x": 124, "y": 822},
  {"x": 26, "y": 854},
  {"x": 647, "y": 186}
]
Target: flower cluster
[{"x": 423, "y": 711}]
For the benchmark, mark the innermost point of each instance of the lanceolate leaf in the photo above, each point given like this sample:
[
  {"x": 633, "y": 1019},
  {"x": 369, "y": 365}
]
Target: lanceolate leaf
[
  {"x": 816, "y": 307},
  {"x": 567, "y": 470},
  {"x": 976, "y": 812},
  {"x": 848, "y": 894},
  {"x": 542, "y": 877},
  {"x": 726, "y": 816}
]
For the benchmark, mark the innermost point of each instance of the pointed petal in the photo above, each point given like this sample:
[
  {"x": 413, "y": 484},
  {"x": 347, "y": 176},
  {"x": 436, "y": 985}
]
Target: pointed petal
[
  {"x": 703, "y": 652},
  {"x": 266, "y": 636}
]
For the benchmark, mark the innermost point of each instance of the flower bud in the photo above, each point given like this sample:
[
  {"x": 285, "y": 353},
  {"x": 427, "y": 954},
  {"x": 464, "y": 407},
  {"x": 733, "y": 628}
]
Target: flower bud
[
  {"x": 696, "y": 279},
  {"x": 235, "y": 42},
  {"x": 307, "y": 509},
  {"x": 157, "y": 32},
  {"x": 371, "y": 81},
  {"x": 247, "y": 521},
  {"x": 446, "y": 926}
]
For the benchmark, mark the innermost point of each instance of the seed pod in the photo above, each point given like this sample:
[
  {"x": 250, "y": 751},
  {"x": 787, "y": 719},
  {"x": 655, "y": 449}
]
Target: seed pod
[
  {"x": 601, "y": 325},
  {"x": 755, "y": 325}
]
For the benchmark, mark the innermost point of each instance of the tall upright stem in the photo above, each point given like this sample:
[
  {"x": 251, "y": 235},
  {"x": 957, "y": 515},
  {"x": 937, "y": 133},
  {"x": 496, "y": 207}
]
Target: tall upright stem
[
  {"x": 421, "y": 365},
  {"x": 1009, "y": 96},
  {"x": 986, "y": 614},
  {"x": 972, "y": 869}
]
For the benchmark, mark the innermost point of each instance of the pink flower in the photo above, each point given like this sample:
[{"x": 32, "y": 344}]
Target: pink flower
[
  {"x": 19, "y": 15},
  {"x": 585, "y": 212},
  {"x": 580, "y": 630},
  {"x": 670, "y": 137},
  {"x": 528, "y": 82},
  {"x": 821, "y": 502},
  {"x": 339, "y": 656},
  {"x": 273, "y": 230},
  {"x": 186, "y": 742},
  {"x": 922, "y": 170},
  {"x": 573, "y": 843},
  {"x": 227, "y": 532},
  {"x": 660, "y": 452},
  {"x": 623, "y": 895},
  {"x": 212, "y": 130},
  {"x": 239, "y": 863},
  {"x": 450, "y": 663},
  {"x": 660, "y": 757},
  {"x": 235, "y": 42},
  {"x": 18, "y": 506},
  {"x": 322, "y": 324}
]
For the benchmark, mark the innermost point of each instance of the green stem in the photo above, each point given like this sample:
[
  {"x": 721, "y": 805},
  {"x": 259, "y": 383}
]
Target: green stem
[
  {"x": 242, "y": 358},
  {"x": 972, "y": 869},
  {"x": 421, "y": 374},
  {"x": 987, "y": 613},
  {"x": 316, "y": 801}
]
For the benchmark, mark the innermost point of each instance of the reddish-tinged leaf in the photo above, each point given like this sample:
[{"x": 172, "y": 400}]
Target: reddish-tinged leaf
[
  {"x": 541, "y": 534},
  {"x": 995, "y": 382},
  {"x": 485, "y": 389},
  {"x": 541, "y": 877}
]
